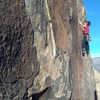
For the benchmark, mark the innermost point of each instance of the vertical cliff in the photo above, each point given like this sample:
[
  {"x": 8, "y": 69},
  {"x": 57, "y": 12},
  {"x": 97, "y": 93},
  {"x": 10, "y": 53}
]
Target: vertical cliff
[{"x": 40, "y": 51}]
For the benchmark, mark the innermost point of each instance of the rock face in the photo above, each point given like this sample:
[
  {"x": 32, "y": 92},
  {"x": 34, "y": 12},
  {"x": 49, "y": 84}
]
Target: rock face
[
  {"x": 96, "y": 63},
  {"x": 97, "y": 78},
  {"x": 40, "y": 51}
]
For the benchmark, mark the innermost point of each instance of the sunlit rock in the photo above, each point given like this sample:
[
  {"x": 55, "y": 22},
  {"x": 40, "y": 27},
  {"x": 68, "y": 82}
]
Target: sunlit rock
[{"x": 40, "y": 51}]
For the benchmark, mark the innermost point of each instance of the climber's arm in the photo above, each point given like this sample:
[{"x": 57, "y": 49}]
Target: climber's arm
[{"x": 83, "y": 25}]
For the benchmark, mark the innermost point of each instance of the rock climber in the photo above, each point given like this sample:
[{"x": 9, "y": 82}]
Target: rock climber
[{"x": 86, "y": 37}]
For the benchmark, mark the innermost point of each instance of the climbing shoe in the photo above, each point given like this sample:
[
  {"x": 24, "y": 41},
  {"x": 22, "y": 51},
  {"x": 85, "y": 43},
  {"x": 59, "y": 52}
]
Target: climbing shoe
[
  {"x": 83, "y": 54},
  {"x": 87, "y": 52}
]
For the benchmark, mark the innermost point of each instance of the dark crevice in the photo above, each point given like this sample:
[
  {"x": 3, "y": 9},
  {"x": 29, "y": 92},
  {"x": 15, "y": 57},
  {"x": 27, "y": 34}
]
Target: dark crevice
[
  {"x": 35, "y": 96},
  {"x": 95, "y": 95}
]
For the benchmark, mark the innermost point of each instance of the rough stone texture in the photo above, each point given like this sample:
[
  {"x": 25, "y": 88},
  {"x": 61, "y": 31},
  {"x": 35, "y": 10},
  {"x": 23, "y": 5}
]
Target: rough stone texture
[
  {"x": 18, "y": 59},
  {"x": 40, "y": 51},
  {"x": 96, "y": 63},
  {"x": 97, "y": 79}
]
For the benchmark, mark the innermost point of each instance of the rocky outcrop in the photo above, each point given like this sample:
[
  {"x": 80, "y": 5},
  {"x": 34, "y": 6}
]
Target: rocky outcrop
[
  {"x": 40, "y": 51},
  {"x": 97, "y": 79},
  {"x": 96, "y": 63}
]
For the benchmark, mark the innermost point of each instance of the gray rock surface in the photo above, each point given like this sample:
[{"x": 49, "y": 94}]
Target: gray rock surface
[
  {"x": 40, "y": 51},
  {"x": 96, "y": 63},
  {"x": 97, "y": 79}
]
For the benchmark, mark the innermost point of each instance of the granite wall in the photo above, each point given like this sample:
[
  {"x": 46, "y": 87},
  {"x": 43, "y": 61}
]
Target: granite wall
[{"x": 40, "y": 51}]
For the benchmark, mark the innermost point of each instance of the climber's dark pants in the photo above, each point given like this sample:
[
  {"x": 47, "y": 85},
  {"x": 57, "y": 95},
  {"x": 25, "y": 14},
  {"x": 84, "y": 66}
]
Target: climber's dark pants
[{"x": 85, "y": 45}]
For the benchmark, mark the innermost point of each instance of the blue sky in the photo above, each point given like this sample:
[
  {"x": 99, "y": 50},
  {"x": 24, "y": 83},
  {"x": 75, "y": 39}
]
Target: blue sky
[{"x": 93, "y": 15}]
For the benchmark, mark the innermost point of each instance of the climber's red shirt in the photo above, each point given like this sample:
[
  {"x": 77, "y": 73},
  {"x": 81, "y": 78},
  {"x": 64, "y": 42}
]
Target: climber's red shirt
[{"x": 86, "y": 30}]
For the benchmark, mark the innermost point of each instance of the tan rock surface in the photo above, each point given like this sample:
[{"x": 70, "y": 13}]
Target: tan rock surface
[{"x": 40, "y": 51}]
